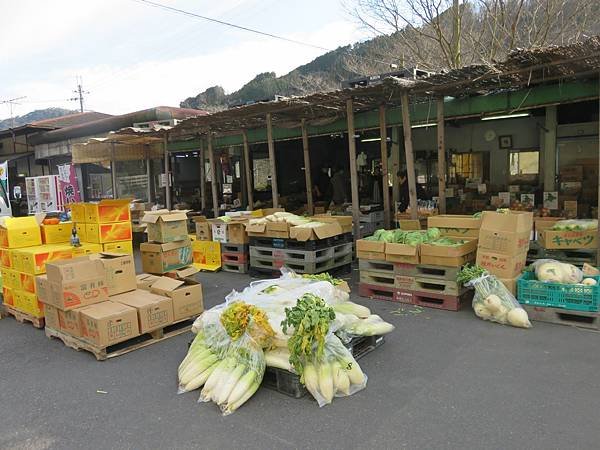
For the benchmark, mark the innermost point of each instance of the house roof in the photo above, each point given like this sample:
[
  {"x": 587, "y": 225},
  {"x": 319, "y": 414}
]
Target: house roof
[{"x": 71, "y": 119}]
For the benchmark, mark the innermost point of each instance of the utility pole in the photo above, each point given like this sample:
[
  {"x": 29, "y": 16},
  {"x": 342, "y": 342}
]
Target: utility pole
[
  {"x": 79, "y": 93},
  {"x": 10, "y": 103}
]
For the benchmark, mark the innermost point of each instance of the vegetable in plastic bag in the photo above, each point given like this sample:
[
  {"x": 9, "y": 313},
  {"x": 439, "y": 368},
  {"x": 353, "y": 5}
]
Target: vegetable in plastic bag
[{"x": 552, "y": 271}]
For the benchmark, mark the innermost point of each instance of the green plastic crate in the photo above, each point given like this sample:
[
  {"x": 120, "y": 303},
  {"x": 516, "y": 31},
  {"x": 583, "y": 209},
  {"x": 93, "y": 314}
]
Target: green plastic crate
[{"x": 576, "y": 297}]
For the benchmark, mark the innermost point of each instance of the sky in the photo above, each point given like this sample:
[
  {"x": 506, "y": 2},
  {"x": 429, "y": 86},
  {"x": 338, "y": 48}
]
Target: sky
[{"x": 132, "y": 56}]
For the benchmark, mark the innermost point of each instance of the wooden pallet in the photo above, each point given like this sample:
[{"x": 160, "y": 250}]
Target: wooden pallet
[
  {"x": 234, "y": 248},
  {"x": 437, "y": 272},
  {"x": 437, "y": 286},
  {"x": 237, "y": 258},
  {"x": 579, "y": 319},
  {"x": 293, "y": 244},
  {"x": 437, "y": 300},
  {"x": 378, "y": 292},
  {"x": 112, "y": 351},
  {"x": 22, "y": 317},
  {"x": 235, "y": 267},
  {"x": 372, "y": 265},
  {"x": 576, "y": 257},
  {"x": 301, "y": 266},
  {"x": 261, "y": 272},
  {"x": 386, "y": 279}
]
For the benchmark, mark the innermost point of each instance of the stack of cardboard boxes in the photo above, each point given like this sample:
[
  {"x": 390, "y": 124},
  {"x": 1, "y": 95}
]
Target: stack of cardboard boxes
[
  {"x": 503, "y": 244},
  {"x": 104, "y": 226},
  {"x": 168, "y": 247}
]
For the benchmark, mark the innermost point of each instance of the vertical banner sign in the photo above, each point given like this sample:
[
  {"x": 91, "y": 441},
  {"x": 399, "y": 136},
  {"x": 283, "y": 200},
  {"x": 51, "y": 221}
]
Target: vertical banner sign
[
  {"x": 68, "y": 183},
  {"x": 5, "y": 207}
]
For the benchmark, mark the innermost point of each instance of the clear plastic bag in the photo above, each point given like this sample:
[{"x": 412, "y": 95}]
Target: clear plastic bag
[
  {"x": 576, "y": 225},
  {"x": 552, "y": 271},
  {"x": 493, "y": 302}
]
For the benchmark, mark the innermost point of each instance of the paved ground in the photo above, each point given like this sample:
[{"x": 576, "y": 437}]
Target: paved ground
[{"x": 442, "y": 380}]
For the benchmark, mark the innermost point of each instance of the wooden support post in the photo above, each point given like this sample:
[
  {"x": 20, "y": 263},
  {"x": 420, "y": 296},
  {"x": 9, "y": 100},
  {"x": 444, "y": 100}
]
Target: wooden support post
[
  {"x": 353, "y": 172},
  {"x": 385, "y": 190},
  {"x": 307, "y": 175},
  {"x": 148, "y": 175},
  {"x": 202, "y": 159},
  {"x": 441, "y": 140},
  {"x": 113, "y": 171},
  {"x": 248, "y": 171},
  {"x": 213, "y": 176},
  {"x": 272, "y": 162},
  {"x": 167, "y": 173},
  {"x": 395, "y": 157},
  {"x": 410, "y": 158}
]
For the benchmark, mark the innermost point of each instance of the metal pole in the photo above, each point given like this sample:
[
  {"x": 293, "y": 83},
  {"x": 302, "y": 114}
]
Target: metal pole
[
  {"x": 307, "y": 174},
  {"x": 113, "y": 170},
  {"x": 272, "y": 161},
  {"x": 353, "y": 172},
  {"x": 441, "y": 138},
  {"x": 385, "y": 190},
  {"x": 248, "y": 171},
  {"x": 410, "y": 160},
  {"x": 213, "y": 176},
  {"x": 201, "y": 157},
  {"x": 167, "y": 173}
]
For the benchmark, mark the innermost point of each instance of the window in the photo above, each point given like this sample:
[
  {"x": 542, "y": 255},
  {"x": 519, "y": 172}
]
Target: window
[
  {"x": 467, "y": 166},
  {"x": 524, "y": 163}
]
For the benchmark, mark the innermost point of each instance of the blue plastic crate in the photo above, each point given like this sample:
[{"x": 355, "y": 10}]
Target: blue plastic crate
[{"x": 577, "y": 297}]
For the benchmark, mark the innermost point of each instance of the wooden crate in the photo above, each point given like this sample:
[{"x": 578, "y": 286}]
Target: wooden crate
[
  {"x": 579, "y": 319},
  {"x": 437, "y": 286},
  {"x": 22, "y": 317}
]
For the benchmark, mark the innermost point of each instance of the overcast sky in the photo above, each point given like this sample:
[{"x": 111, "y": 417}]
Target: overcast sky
[{"x": 132, "y": 56}]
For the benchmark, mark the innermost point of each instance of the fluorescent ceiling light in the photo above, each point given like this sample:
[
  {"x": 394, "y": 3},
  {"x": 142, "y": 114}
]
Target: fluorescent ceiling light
[
  {"x": 424, "y": 125},
  {"x": 371, "y": 140},
  {"x": 506, "y": 116}
]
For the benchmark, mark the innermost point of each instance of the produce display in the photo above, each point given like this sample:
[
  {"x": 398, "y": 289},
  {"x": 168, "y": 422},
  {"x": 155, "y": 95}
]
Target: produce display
[
  {"x": 575, "y": 225},
  {"x": 286, "y": 217},
  {"x": 492, "y": 301},
  {"x": 405, "y": 237},
  {"x": 551, "y": 271},
  {"x": 295, "y": 323}
]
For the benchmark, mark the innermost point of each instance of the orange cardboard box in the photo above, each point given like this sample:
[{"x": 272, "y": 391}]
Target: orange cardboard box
[
  {"x": 125, "y": 247},
  {"x": 5, "y": 258},
  {"x": 8, "y": 296},
  {"x": 27, "y": 282},
  {"x": 33, "y": 259},
  {"x": 87, "y": 248},
  {"x": 100, "y": 233},
  {"x": 57, "y": 234},
  {"x": 107, "y": 211}
]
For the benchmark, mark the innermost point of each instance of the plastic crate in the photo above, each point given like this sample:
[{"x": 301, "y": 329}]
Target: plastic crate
[{"x": 576, "y": 297}]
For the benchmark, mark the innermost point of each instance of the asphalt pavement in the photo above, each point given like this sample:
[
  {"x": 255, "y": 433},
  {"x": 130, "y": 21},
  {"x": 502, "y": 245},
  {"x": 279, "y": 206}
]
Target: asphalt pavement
[{"x": 441, "y": 380}]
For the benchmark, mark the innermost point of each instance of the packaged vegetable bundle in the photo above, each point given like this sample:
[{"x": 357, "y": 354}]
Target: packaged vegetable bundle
[
  {"x": 226, "y": 357},
  {"x": 492, "y": 301},
  {"x": 552, "y": 271},
  {"x": 576, "y": 225}
]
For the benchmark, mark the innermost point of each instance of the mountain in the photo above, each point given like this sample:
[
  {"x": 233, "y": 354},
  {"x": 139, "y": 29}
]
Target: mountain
[{"x": 33, "y": 116}]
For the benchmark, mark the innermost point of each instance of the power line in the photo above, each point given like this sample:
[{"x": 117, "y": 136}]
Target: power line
[
  {"x": 79, "y": 93},
  {"x": 11, "y": 102}
]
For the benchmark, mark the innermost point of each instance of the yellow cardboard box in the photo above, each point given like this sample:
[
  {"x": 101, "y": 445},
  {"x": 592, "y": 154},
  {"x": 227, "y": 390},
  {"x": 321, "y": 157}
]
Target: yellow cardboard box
[
  {"x": 87, "y": 248},
  {"x": 33, "y": 259},
  {"x": 18, "y": 232},
  {"x": 27, "y": 282},
  {"x": 8, "y": 296},
  {"x": 6, "y": 257},
  {"x": 28, "y": 303},
  {"x": 57, "y": 234},
  {"x": 78, "y": 212},
  {"x": 10, "y": 278},
  {"x": 80, "y": 227},
  {"x": 118, "y": 247},
  {"x": 101, "y": 233},
  {"x": 108, "y": 211}
]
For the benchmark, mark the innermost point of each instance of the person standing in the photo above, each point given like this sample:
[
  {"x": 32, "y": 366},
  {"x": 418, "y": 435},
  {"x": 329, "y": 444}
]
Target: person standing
[
  {"x": 322, "y": 185},
  {"x": 338, "y": 185},
  {"x": 404, "y": 200}
]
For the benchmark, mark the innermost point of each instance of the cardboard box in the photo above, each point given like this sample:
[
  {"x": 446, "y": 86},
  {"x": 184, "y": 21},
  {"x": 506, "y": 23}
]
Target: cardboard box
[
  {"x": 78, "y": 213},
  {"x": 108, "y": 323},
  {"x": 181, "y": 274},
  {"x": 154, "y": 311},
  {"x": 57, "y": 234},
  {"x": 11, "y": 278},
  {"x": 269, "y": 229},
  {"x": 51, "y": 317},
  {"x": 70, "y": 322},
  {"x": 344, "y": 221},
  {"x": 455, "y": 225},
  {"x": 500, "y": 265},
  {"x": 374, "y": 250},
  {"x": 236, "y": 232},
  {"x": 186, "y": 295},
  {"x": 28, "y": 303},
  {"x": 511, "y": 285},
  {"x": 330, "y": 229},
  {"x": 8, "y": 296},
  {"x": 513, "y": 221},
  {"x": 402, "y": 253},
  {"x": 107, "y": 211},
  {"x": 564, "y": 240},
  {"x": 166, "y": 226},
  {"x": 145, "y": 281},
  {"x": 42, "y": 289},
  {"x": 160, "y": 258},
  {"x": 203, "y": 229},
  {"x": 81, "y": 231},
  {"x": 100, "y": 233},
  {"x": 19, "y": 232},
  {"x": 265, "y": 212},
  {"x": 6, "y": 258},
  {"x": 33, "y": 260},
  {"x": 504, "y": 242},
  {"x": 76, "y": 282},
  {"x": 125, "y": 247},
  {"x": 219, "y": 230},
  {"x": 119, "y": 271},
  {"x": 448, "y": 256},
  {"x": 27, "y": 282},
  {"x": 207, "y": 254},
  {"x": 409, "y": 224},
  {"x": 88, "y": 248}
]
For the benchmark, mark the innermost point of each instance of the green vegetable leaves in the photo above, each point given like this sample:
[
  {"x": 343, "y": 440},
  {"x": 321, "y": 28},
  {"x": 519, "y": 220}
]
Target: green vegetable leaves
[
  {"x": 469, "y": 272},
  {"x": 412, "y": 238}
]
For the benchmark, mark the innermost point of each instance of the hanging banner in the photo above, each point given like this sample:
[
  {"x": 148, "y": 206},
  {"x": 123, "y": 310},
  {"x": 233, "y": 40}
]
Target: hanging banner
[
  {"x": 5, "y": 207},
  {"x": 68, "y": 183}
]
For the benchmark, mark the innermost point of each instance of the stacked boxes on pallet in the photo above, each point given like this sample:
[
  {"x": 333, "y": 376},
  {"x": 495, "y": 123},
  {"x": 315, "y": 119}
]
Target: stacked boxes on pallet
[
  {"x": 305, "y": 250},
  {"x": 103, "y": 227},
  {"x": 234, "y": 241},
  {"x": 569, "y": 246},
  {"x": 206, "y": 252},
  {"x": 503, "y": 244}
]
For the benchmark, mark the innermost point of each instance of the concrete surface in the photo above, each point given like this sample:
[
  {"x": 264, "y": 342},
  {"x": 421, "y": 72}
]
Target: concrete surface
[{"x": 442, "y": 380}]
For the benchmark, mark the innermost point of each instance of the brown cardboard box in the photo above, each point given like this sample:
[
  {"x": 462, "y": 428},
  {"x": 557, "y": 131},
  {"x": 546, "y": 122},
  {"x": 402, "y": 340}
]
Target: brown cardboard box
[
  {"x": 448, "y": 256},
  {"x": 455, "y": 225},
  {"x": 563, "y": 240},
  {"x": 108, "y": 323},
  {"x": 166, "y": 226},
  {"x": 186, "y": 295},
  {"x": 76, "y": 282},
  {"x": 203, "y": 229},
  {"x": 402, "y": 253},
  {"x": 180, "y": 274},
  {"x": 504, "y": 242},
  {"x": 145, "y": 281},
  {"x": 500, "y": 265},
  {"x": 374, "y": 250},
  {"x": 160, "y": 258},
  {"x": 236, "y": 232},
  {"x": 70, "y": 322},
  {"x": 154, "y": 311},
  {"x": 266, "y": 212},
  {"x": 511, "y": 285},
  {"x": 344, "y": 221},
  {"x": 42, "y": 289},
  {"x": 409, "y": 224},
  {"x": 331, "y": 228},
  {"x": 542, "y": 223},
  {"x": 120, "y": 272},
  {"x": 51, "y": 317},
  {"x": 269, "y": 229},
  {"x": 513, "y": 221}
]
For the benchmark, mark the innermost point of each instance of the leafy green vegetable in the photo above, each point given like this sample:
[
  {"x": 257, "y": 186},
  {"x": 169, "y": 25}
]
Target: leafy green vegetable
[
  {"x": 469, "y": 272},
  {"x": 413, "y": 238},
  {"x": 477, "y": 215},
  {"x": 322, "y": 277}
]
